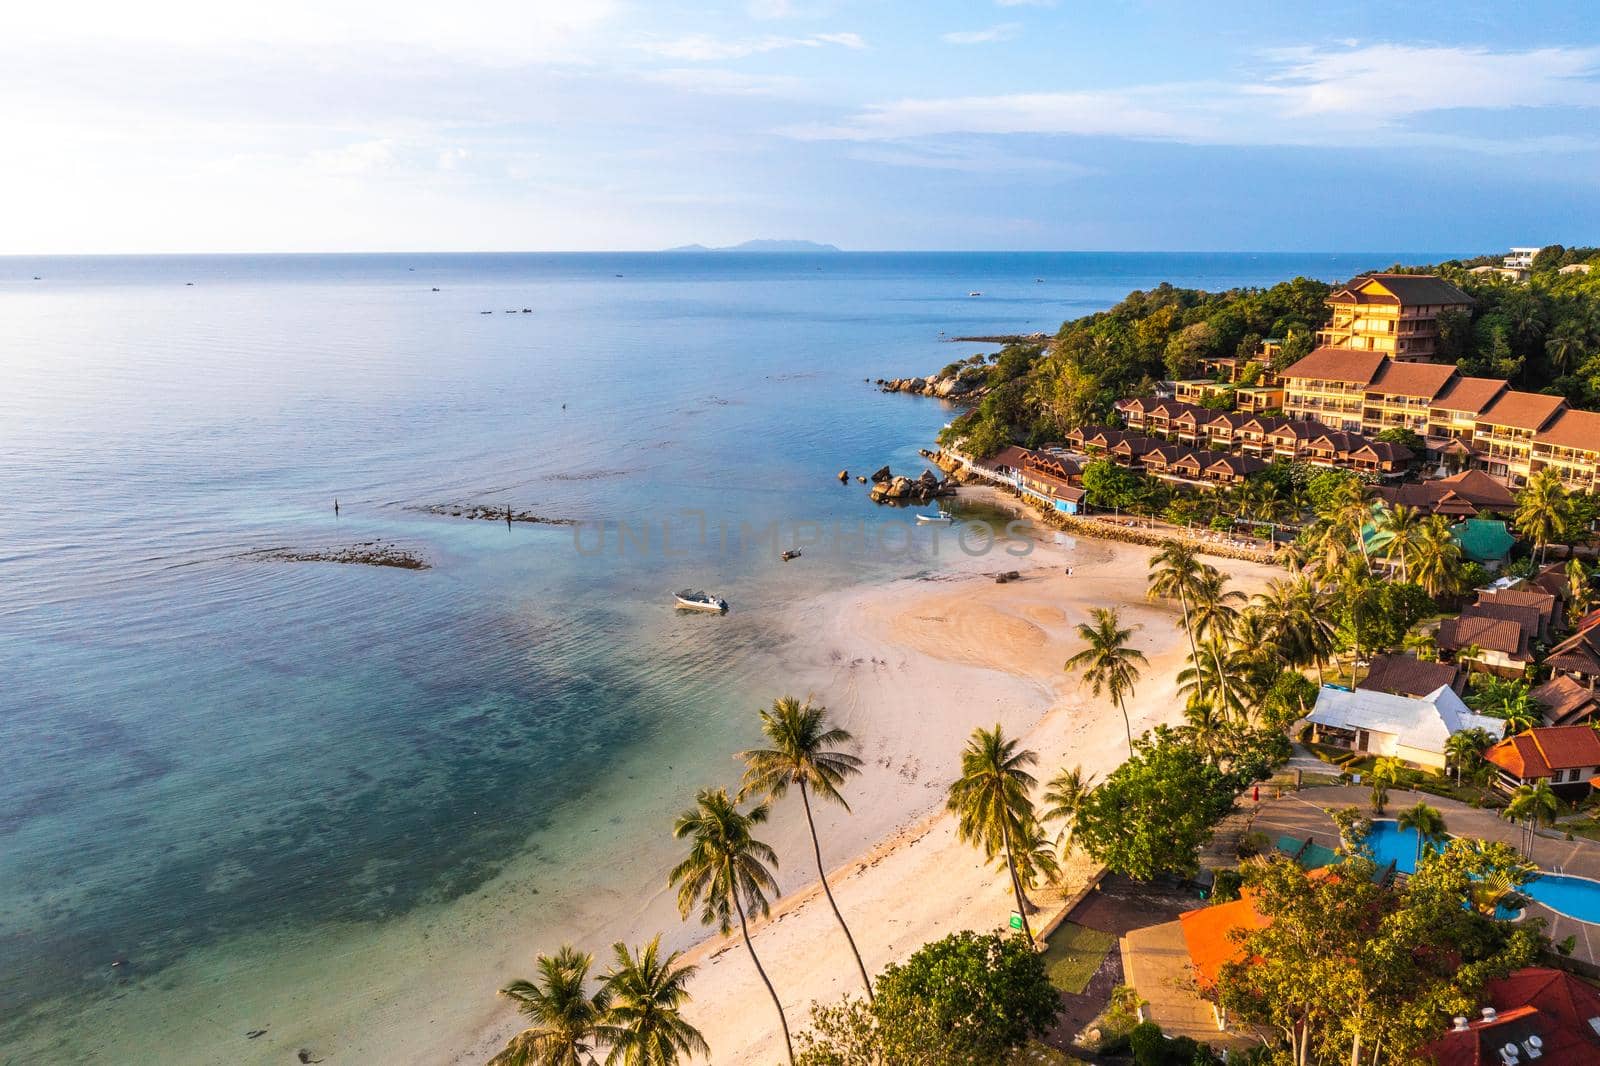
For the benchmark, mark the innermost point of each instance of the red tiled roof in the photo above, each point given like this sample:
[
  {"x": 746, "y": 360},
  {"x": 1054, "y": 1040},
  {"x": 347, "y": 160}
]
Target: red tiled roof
[
  {"x": 1537, "y": 1001},
  {"x": 1404, "y": 675},
  {"x": 1338, "y": 364},
  {"x": 1470, "y": 395},
  {"x": 1010, "y": 456},
  {"x": 1540, "y": 601},
  {"x": 1429, "y": 497},
  {"x": 1425, "y": 380},
  {"x": 1481, "y": 489},
  {"x": 1523, "y": 410},
  {"x": 1413, "y": 290},
  {"x": 1579, "y": 653},
  {"x": 1566, "y": 702},
  {"x": 1573, "y": 429},
  {"x": 1541, "y": 751},
  {"x": 1491, "y": 634}
]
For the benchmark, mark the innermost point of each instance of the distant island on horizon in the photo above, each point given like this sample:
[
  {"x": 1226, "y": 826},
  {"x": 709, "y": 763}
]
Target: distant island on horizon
[{"x": 760, "y": 245}]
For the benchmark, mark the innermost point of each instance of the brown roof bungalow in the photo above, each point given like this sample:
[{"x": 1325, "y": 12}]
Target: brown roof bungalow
[
  {"x": 1567, "y": 702},
  {"x": 1406, "y": 675},
  {"x": 1577, "y": 657},
  {"x": 1428, "y": 497},
  {"x": 1566, "y": 756},
  {"x": 1481, "y": 490}
]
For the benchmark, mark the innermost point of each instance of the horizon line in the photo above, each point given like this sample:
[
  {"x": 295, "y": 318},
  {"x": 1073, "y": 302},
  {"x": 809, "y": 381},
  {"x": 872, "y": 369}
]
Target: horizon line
[{"x": 698, "y": 253}]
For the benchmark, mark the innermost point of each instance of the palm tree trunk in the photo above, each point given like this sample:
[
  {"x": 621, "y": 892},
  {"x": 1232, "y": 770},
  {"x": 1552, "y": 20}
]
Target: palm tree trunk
[
  {"x": 1016, "y": 882},
  {"x": 1128, "y": 726},
  {"x": 1183, "y": 600},
  {"x": 822, "y": 876},
  {"x": 744, "y": 931}
]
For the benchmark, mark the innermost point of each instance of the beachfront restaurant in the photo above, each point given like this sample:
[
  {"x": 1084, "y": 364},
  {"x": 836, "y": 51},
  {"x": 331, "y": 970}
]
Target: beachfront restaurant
[{"x": 1048, "y": 478}]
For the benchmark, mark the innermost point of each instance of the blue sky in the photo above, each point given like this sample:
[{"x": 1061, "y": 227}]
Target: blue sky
[{"x": 326, "y": 125}]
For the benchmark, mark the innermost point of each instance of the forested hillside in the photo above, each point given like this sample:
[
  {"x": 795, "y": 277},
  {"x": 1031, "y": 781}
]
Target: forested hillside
[{"x": 1543, "y": 334}]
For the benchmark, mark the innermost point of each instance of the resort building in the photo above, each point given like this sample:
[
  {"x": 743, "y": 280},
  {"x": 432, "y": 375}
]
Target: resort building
[
  {"x": 1401, "y": 395},
  {"x": 1570, "y": 445},
  {"x": 1330, "y": 386},
  {"x": 1395, "y": 314},
  {"x": 1464, "y": 421},
  {"x": 1411, "y": 729},
  {"x": 1577, "y": 657},
  {"x": 1049, "y": 479},
  {"x": 1498, "y": 644},
  {"x": 1406, "y": 675},
  {"x": 1541, "y": 1015},
  {"x": 1566, "y": 702},
  {"x": 1502, "y": 437},
  {"x": 1564, "y": 756}
]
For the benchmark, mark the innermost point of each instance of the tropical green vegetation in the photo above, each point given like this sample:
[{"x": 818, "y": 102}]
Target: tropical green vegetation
[
  {"x": 1542, "y": 335},
  {"x": 1353, "y": 971},
  {"x": 969, "y": 999},
  {"x": 635, "y": 1011}
]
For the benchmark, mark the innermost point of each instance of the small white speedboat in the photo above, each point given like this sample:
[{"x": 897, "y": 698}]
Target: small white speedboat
[
  {"x": 940, "y": 519},
  {"x": 695, "y": 600},
  {"x": 974, "y": 294}
]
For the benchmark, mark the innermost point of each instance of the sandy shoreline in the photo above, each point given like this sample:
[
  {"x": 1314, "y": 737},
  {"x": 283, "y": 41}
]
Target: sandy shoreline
[{"x": 911, "y": 669}]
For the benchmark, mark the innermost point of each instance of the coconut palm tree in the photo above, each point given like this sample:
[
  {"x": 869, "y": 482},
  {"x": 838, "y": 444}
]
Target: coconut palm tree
[
  {"x": 1435, "y": 557},
  {"x": 727, "y": 871},
  {"x": 804, "y": 753},
  {"x": 1216, "y": 619},
  {"x": 1543, "y": 512},
  {"x": 1110, "y": 663},
  {"x": 566, "y": 1018},
  {"x": 1398, "y": 527},
  {"x": 1175, "y": 575},
  {"x": 991, "y": 802},
  {"x": 1533, "y": 805},
  {"x": 1210, "y": 682},
  {"x": 1580, "y": 595},
  {"x": 1035, "y": 853},
  {"x": 1348, "y": 512},
  {"x": 645, "y": 1025},
  {"x": 1466, "y": 748},
  {"x": 1065, "y": 797},
  {"x": 1426, "y": 821},
  {"x": 1386, "y": 773}
]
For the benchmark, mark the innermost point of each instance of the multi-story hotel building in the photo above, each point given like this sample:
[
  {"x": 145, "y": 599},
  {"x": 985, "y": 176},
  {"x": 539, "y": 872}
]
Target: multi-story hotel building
[
  {"x": 1395, "y": 314},
  {"x": 1499, "y": 430}
]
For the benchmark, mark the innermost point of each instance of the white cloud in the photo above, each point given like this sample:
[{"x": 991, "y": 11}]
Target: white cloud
[
  {"x": 1005, "y": 31},
  {"x": 364, "y": 157},
  {"x": 493, "y": 30},
  {"x": 717, "y": 82},
  {"x": 704, "y": 48},
  {"x": 1363, "y": 96}
]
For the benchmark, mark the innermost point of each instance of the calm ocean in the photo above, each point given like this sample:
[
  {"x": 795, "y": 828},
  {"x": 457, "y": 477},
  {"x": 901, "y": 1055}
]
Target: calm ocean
[{"x": 207, "y": 755}]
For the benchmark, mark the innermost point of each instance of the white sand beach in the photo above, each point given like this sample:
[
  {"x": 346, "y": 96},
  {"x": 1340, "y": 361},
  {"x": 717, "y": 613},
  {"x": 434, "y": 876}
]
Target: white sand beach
[{"x": 931, "y": 663}]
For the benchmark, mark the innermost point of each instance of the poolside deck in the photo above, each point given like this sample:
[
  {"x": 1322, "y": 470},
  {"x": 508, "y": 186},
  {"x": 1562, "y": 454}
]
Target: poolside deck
[{"x": 1305, "y": 814}]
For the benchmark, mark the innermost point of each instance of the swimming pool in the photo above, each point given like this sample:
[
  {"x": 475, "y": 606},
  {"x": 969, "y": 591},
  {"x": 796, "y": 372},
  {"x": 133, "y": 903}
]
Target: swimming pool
[{"x": 1576, "y": 897}]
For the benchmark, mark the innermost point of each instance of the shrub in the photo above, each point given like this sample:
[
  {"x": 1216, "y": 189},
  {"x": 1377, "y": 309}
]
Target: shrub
[{"x": 1225, "y": 887}]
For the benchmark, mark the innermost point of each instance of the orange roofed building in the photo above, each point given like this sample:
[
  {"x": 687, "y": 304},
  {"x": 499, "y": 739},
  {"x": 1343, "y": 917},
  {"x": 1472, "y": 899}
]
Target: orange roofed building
[
  {"x": 1565, "y": 756},
  {"x": 1396, "y": 314}
]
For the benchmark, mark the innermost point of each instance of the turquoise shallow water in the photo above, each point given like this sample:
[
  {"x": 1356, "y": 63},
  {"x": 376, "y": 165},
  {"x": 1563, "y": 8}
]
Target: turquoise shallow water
[{"x": 198, "y": 751}]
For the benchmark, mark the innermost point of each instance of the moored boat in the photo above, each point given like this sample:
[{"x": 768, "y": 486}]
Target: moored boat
[
  {"x": 939, "y": 519},
  {"x": 695, "y": 600}
]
